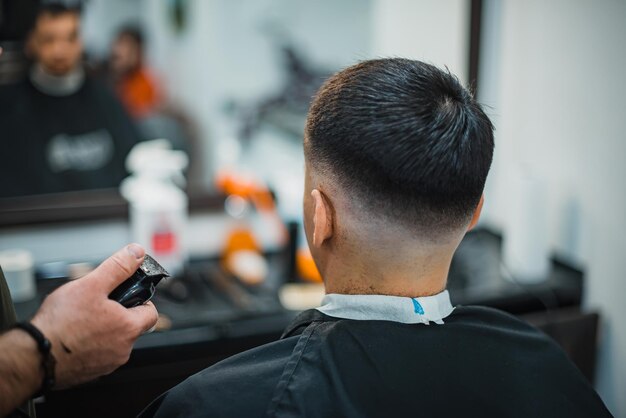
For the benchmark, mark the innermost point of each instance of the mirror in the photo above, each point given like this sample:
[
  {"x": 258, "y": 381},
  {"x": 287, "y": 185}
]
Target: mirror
[{"x": 228, "y": 82}]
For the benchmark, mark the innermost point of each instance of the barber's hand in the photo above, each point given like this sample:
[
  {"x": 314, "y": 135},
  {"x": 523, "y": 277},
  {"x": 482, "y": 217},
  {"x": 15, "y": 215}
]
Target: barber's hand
[{"x": 92, "y": 335}]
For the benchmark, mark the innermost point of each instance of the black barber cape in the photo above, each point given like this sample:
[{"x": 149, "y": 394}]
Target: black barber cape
[
  {"x": 52, "y": 144},
  {"x": 480, "y": 362}
]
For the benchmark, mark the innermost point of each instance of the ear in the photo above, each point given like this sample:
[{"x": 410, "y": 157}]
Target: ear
[
  {"x": 476, "y": 215},
  {"x": 322, "y": 218}
]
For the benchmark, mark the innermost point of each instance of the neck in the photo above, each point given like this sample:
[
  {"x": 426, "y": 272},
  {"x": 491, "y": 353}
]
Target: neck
[
  {"x": 402, "y": 273},
  {"x": 57, "y": 85}
]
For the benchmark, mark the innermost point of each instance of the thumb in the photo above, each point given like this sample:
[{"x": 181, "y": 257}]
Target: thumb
[{"x": 119, "y": 267}]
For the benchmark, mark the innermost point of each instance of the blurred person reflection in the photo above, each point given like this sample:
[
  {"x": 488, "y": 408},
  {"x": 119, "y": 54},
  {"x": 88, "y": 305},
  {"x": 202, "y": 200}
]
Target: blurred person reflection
[
  {"x": 146, "y": 101},
  {"x": 135, "y": 85},
  {"x": 60, "y": 130}
]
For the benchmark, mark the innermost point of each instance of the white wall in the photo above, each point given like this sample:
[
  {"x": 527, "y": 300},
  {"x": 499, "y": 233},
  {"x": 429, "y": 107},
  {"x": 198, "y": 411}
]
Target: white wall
[
  {"x": 434, "y": 31},
  {"x": 102, "y": 18},
  {"x": 555, "y": 80}
]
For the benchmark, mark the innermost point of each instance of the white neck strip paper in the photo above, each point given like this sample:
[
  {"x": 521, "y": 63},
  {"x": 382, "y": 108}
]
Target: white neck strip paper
[{"x": 421, "y": 310}]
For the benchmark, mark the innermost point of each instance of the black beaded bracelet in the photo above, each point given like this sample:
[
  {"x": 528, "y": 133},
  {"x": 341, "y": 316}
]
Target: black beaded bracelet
[{"x": 48, "y": 362}]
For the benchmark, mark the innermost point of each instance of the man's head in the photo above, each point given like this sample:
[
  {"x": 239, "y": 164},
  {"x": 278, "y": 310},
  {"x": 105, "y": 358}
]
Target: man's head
[
  {"x": 54, "y": 41},
  {"x": 127, "y": 51},
  {"x": 397, "y": 151}
]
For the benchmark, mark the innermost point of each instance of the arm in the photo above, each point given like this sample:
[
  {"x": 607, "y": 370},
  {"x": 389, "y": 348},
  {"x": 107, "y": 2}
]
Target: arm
[
  {"x": 20, "y": 369},
  {"x": 91, "y": 335}
]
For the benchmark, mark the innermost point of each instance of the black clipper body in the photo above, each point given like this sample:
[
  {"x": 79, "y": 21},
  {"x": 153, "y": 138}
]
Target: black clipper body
[{"x": 139, "y": 288}]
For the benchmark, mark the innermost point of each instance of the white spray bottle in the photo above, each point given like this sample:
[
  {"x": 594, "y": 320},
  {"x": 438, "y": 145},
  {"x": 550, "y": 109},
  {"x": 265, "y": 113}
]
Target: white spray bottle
[{"x": 158, "y": 205}]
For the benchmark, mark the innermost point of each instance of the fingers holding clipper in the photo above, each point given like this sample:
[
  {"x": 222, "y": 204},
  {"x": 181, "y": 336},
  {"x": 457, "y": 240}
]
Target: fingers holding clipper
[
  {"x": 119, "y": 267},
  {"x": 144, "y": 317}
]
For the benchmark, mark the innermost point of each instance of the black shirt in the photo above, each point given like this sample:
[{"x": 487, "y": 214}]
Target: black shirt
[
  {"x": 54, "y": 144},
  {"x": 480, "y": 362}
]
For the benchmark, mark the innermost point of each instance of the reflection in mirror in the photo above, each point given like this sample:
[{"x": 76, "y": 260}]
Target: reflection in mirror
[
  {"x": 228, "y": 83},
  {"x": 62, "y": 128}
]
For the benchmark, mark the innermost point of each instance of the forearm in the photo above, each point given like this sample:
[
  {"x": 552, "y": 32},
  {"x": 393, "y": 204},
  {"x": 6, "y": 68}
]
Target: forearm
[{"x": 21, "y": 373}]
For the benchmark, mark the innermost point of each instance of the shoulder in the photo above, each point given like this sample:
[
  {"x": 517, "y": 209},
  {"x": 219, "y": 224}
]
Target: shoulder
[
  {"x": 492, "y": 329},
  {"x": 484, "y": 316},
  {"x": 9, "y": 93},
  {"x": 501, "y": 330},
  {"x": 241, "y": 385},
  {"x": 17, "y": 85},
  {"x": 145, "y": 77},
  {"x": 94, "y": 85},
  {"x": 101, "y": 92}
]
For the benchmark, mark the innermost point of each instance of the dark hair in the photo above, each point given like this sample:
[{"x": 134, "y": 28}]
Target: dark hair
[
  {"x": 56, "y": 9},
  {"x": 53, "y": 9},
  {"x": 405, "y": 138},
  {"x": 134, "y": 32}
]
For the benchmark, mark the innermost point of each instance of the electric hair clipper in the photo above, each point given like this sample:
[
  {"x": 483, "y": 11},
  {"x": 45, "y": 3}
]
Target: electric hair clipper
[{"x": 140, "y": 287}]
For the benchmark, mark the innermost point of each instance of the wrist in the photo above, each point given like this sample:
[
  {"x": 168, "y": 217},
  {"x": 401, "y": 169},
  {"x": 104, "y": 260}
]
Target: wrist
[
  {"x": 44, "y": 349},
  {"x": 27, "y": 359}
]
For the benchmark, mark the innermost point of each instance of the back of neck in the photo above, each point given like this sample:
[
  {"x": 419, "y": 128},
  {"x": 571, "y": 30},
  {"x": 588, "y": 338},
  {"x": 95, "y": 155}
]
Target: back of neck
[{"x": 366, "y": 274}]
